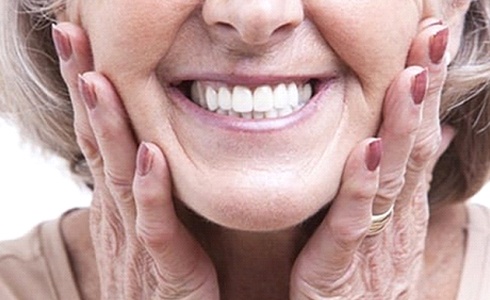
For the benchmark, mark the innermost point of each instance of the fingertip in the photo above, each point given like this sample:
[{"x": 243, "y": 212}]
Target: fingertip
[
  {"x": 152, "y": 180},
  {"x": 361, "y": 174},
  {"x": 144, "y": 160},
  {"x": 373, "y": 154},
  {"x": 420, "y": 83},
  {"x": 62, "y": 43},
  {"x": 156, "y": 220}
]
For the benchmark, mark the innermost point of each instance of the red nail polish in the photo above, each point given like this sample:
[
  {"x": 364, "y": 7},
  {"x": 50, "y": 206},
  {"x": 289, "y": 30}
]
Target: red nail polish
[
  {"x": 61, "y": 43},
  {"x": 87, "y": 92},
  {"x": 373, "y": 155},
  {"x": 438, "y": 45},
  {"x": 144, "y": 160},
  {"x": 419, "y": 87}
]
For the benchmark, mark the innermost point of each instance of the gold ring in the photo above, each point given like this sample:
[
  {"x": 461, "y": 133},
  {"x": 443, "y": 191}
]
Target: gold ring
[{"x": 379, "y": 222}]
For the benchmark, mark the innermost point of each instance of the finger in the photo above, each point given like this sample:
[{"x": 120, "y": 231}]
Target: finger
[
  {"x": 181, "y": 261},
  {"x": 428, "y": 49},
  {"x": 114, "y": 138},
  {"x": 74, "y": 54},
  {"x": 329, "y": 252},
  {"x": 402, "y": 113},
  {"x": 447, "y": 136}
]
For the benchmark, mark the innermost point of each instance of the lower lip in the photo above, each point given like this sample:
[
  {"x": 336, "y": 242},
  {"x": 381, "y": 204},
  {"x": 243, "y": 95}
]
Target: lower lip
[{"x": 251, "y": 125}]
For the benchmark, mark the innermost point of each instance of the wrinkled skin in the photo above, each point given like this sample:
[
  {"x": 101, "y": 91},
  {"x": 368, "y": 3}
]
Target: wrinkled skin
[
  {"x": 143, "y": 250},
  {"x": 266, "y": 182}
]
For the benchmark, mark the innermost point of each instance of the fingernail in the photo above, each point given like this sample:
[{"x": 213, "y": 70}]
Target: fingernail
[
  {"x": 61, "y": 43},
  {"x": 87, "y": 92},
  {"x": 144, "y": 160},
  {"x": 373, "y": 154},
  {"x": 419, "y": 87},
  {"x": 438, "y": 45}
]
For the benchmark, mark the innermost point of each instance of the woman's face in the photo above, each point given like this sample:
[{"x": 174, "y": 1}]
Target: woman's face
[{"x": 273, "y": 155}]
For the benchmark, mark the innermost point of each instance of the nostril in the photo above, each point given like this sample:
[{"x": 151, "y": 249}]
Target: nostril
[
  {"x": 225, "y": 25},
  {"x": 283, "y": 29}
]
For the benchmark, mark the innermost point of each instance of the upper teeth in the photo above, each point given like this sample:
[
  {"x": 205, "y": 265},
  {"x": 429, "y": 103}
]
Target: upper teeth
[{"x": 262, "y": 102}]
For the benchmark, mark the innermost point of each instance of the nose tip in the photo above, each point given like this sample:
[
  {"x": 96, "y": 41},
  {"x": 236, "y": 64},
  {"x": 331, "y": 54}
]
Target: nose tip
[{"x": 255, "y": 22}]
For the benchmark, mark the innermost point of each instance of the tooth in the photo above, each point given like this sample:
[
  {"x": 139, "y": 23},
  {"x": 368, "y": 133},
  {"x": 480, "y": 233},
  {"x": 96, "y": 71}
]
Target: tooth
[
  {"x": 271, "y": 114},
  {"x": 222, "y": 112},
  {"x": 202, "y": 95},
  {"x": 258, "y": 115},
  {"x": 263, "y": 98},
  {"x": 242, "y": 99},
  {"x": 306, "y": 93},
  {"x": 224, "y": 98},
  {"x": 233, "y": 113},
  {"x": 246, "y": 115},
  {"x": 281, "y": 96},
  {"x": 197, "y": 95},
  {"x": 285, "y": 111},
  {"x": 211, "y": 99},
  {"x": 293, "y": 94}
]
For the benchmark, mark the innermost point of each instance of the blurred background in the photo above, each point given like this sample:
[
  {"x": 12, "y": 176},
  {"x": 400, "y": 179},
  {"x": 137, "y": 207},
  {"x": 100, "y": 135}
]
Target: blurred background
[{"x": 35, "y": 188}]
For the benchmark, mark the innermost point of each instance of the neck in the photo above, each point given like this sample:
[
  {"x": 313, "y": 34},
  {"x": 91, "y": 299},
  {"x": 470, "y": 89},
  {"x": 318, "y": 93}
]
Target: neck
[
  {"x": 253, "y": 264},
  {"x": 250, "y": 264}
]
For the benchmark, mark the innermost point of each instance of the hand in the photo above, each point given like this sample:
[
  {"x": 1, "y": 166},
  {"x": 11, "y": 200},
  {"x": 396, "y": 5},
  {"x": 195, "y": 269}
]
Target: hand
[
  {"x": 142, "y": 249},
  {"x": 340, "y": 261}
]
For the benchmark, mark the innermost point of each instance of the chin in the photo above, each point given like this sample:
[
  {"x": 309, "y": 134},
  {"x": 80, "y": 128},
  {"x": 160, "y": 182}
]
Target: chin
[{"x": 257, "y": 200}]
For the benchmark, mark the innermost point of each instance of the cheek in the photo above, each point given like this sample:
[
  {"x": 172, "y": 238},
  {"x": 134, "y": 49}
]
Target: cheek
[
  {"x": 130, "y": 37},
  {"x": 371, "y": 37}
]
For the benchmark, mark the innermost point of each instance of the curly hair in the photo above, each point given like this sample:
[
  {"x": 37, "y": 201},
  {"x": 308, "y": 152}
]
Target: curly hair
[{"x": 35, "y": 96}]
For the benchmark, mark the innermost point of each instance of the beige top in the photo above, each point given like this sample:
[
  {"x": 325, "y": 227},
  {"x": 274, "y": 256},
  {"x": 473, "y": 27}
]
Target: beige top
[{"x": 36, "y": 266}]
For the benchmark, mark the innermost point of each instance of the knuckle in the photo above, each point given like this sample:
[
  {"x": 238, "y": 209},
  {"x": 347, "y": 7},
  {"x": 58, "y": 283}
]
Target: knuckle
[
  {"x": 390, "y": 187},
  {"x": 424, "y": 150},
  {"x": 113, "y": 234},
  {"x": 314, "y": 284},
  {"x": 346, "y": 236},
  {"x": 154, "y": 237},
  {"x": 119, "y": 184},
  {"x": 106, "y": 134},
  {"x": 86, "y": 142}
]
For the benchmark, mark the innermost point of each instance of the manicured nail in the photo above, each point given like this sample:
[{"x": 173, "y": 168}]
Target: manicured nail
[
  {"x": 87, "y": 92},
  {"x": 419, "y": 87},
  {"x": 144, "y": 161},
  {"x": 438, "y": 45},
  {"x": 61, "y": 43},
  {"x": 373, "y": 154}
]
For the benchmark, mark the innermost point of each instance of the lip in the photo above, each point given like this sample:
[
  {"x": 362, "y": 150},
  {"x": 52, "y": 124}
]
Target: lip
[{"x": 187, "y": 106}]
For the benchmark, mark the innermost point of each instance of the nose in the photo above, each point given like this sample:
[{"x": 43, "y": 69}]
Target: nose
[{"x": 255, "y": 22}]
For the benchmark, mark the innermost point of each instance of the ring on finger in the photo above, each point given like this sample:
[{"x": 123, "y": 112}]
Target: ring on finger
[{"x": 379, "y": 222}]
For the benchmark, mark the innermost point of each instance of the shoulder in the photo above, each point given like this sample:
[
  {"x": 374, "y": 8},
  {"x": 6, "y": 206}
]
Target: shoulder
[
  {"x": 476, "y": 267},
  {"x": 22, "y": 267},
  {"x": 478, "y": 217},
  {"x": 31, "y": 265}
]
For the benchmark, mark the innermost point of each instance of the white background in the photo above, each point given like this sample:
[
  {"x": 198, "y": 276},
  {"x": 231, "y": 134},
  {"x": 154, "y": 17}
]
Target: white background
[{"x": 34, "y": 188}]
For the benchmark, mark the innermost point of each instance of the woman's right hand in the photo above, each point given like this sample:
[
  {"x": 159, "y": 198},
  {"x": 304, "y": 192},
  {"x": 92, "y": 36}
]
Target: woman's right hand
[{"x": 142, "y": 249}]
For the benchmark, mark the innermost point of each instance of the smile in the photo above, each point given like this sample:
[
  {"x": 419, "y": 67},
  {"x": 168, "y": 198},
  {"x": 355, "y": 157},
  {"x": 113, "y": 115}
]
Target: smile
[{"x": 262, "y": 102}]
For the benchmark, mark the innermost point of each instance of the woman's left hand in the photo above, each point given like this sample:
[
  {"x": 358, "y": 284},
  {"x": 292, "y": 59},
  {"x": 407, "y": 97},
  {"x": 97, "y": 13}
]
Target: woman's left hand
[{"x": 341, "y": 260}]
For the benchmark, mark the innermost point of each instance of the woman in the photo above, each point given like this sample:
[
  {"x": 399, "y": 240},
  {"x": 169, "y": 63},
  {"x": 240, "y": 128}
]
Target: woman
[{"x": 254, "y": 149}]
